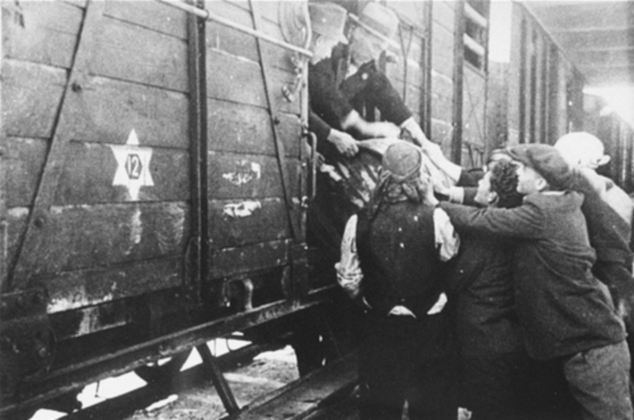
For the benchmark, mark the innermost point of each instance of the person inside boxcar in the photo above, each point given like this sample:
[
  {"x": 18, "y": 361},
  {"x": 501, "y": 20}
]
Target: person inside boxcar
[
  {"x": 392, "y": 253},
  {"x": 328, "y": 21},
  {"x": 566, "y": 315},
  {"x": 340, "y": 85}
]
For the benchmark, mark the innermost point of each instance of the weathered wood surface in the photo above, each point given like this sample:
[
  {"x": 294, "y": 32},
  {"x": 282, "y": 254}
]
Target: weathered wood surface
[
  {"x": 106, "y": 110},
  {"x": 129, "y": 52},
  {"x": 305, "y": 395},
  {"x": 231, "y": 261},
  {"x": 89, "y": 170},
  {"x": 76, "y": 289},
  {"x": 248, "y": 176},
  {"x": 49, "y": 33},
  {"x": 151, "y": 15},
  {"x": 31, "y": 97},
  {"x": 86, "y": 236},
  {"x": 236, "y": 223},
  {"x": 69, "y": 324},
  {"x": 139, "y": 81},
  {"x": 222, "y": 83},
  {"x": 245, "y": 129}
]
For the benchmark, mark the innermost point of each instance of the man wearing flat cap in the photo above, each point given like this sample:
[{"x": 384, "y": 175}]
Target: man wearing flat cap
[
  {"x": 341, "y": 84},
  {"x": 391, "y": 257},
  {"x": 566, "y": 314}
]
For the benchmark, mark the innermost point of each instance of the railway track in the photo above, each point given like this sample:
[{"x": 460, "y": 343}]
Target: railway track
[{"x": 259, "y": 387}]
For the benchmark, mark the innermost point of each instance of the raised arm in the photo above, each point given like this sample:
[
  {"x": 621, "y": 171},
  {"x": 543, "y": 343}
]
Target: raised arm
[{"x": 525, "y": 221}]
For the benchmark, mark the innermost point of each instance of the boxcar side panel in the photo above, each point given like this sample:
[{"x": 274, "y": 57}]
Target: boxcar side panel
[
  {"x": 248, "y": 216},
  {"x": 122, "y": 193}
]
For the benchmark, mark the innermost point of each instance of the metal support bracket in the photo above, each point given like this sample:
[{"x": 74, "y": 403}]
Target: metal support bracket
[{"x": 218, "y": 379}]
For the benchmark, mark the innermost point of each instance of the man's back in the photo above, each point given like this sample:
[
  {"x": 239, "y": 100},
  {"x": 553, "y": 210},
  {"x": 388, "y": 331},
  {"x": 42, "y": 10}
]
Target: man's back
[{"x": 562, "y": 308}]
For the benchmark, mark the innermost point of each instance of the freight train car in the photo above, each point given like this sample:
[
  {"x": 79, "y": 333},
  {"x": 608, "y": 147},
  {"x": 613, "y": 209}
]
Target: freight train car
[
  {"x": 153, "y": 185},
  {"x": 538, "y": 93},
  {"x": 155, "y": 182}
]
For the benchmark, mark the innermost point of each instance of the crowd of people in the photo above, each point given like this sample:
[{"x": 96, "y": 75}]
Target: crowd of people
[{"x": 511, "y": 298}]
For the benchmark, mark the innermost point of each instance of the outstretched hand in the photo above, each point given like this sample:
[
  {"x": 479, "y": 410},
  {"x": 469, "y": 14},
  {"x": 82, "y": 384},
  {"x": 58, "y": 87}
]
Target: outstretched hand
[{"x": 344, "y": 142}]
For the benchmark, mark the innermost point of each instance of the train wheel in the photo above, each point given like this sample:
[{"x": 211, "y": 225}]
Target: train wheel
[{"x": 162, "y": 370}]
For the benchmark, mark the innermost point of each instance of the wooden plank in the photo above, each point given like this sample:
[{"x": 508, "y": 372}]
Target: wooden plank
[
  {"x": 305, "y": 395},
  {"x": 151, "y": 15},
  {"x": 133, "y": 53},
  {"x": 77, "y": 289},
  {"x": 48, "y": 36},
  {"x": 231, "y": 41},
  {"x": 71, "y": 324},
  {"x": 31, "y": 97},
  {"x": 30, "y": 247},
  {"x": 273, "y": 90},
  {"x": 247, "y": 129},
  {"x": 88, "y": 174},
  {"x": 235, "y": 223},
  {"x": 16, "y": 225},
  {"x": 221, "y": 83},
  {"x": 231, "y": 261},
  {"x": 109, "y": 110},
  {"x": 88, "y": 177},
  {"x": 24, "y": 159},
  {"x": 109, "y": 234},
  {"x": 248, "y": 176}
]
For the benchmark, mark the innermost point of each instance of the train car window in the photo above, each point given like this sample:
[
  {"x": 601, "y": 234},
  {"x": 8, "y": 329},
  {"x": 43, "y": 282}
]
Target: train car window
[{"x": 475, "y": 35}]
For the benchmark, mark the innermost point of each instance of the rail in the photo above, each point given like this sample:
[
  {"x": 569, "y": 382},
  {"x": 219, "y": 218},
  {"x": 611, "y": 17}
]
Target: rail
[{"x": 207, "y": 15}]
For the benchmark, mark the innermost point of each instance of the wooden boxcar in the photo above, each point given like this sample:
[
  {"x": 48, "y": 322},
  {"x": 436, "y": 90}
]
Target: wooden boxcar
[
  {"x": 154, "y": 184},
  {"x": 538, "y": 95}
]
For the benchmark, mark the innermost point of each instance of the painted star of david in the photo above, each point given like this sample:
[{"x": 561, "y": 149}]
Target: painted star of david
[{"x": 133, "y": 166}]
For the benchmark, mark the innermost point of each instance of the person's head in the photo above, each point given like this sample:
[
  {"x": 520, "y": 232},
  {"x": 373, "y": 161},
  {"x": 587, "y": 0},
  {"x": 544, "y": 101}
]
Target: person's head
[
  {"x": 327, "y": 21},
  {"x": 540, "y": 167},
  {"x": 495, "y": 156},
  {"x": 498, "y": 186},
  {"x": 365, "y": 45},
  {"x": 401, "y": 176},
  {"x": 582, "y": 149}
]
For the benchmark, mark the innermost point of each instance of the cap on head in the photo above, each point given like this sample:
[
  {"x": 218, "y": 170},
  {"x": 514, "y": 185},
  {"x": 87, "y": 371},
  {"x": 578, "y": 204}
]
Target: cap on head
[
  {"x": 583, "y": 149},
  {"x": 380, "y": 18},
  {"x": 546, "y": 161},
  {"x": 402, "y": 160},
  {"x": 328, "y": 19}
]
